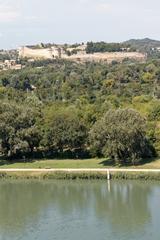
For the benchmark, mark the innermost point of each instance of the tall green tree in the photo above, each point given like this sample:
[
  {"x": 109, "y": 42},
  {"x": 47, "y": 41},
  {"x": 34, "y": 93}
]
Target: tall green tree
[
  {"x": 19, "y": 132},
  {"x": 120, "y": 135},
  {"x": 64, "y": 130}
]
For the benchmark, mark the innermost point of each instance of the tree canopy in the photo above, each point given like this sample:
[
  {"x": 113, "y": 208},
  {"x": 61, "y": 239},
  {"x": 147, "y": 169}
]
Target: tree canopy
[
  {"x": 120, "y": 135},
  {"x": 57, "y": 106}
]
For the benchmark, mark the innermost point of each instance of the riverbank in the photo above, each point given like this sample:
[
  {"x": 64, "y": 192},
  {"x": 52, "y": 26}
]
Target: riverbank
[
  {"x": 77, "y": 174},
  {"x": 77, "y": 169}
]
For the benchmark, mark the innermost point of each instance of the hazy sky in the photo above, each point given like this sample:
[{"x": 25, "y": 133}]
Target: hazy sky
[{"x": 69, "y": 21}]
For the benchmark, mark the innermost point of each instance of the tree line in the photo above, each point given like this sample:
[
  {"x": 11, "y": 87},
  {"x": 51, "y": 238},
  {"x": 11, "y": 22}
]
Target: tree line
[
  {"x": 119, "y": 134},
  {"x": 93, "y": 47}
]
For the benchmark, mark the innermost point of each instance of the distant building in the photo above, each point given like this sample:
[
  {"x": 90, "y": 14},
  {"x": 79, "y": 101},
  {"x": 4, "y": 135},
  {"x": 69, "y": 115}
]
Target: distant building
[
  {"x": 10, "y": 65},
  {"x": 125, "y": 49}
]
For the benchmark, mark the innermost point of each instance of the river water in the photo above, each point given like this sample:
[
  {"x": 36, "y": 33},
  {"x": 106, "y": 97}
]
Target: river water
[{"x": 85, "y": 210}]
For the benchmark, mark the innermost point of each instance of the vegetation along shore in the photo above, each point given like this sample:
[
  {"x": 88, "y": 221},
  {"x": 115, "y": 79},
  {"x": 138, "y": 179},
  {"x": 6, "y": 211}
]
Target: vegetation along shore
[{"x": 82, "y": 174}]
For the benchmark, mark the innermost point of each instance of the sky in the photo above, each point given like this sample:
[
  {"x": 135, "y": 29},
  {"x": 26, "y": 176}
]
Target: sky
[{"x": 25, "y": 22}]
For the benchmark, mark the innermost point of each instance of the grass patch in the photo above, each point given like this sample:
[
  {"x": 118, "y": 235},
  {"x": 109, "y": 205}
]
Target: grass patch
[
  {"x": 74, "y": 163},
  {"x": 68, "y": 163}
]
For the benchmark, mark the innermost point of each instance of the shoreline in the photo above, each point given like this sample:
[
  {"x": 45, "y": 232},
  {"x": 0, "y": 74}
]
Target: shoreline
[{"x": 86, "y": 174}]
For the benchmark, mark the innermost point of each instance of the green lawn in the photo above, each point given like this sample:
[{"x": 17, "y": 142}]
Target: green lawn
[{"x": 87, "y": 163}]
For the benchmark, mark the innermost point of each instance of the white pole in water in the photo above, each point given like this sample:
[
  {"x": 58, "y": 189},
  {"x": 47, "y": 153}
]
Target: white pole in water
[
  {"x": 109, "y": 185},
  {"x": 108, "y": 180},
  {"x": 108, "y": 175}
]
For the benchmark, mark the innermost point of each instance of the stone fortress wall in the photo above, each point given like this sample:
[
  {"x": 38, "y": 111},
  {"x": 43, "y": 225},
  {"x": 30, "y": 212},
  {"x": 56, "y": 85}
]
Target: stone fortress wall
[
  {"x": 81, "y": 56},
  {"x": 45, "y": 53}
]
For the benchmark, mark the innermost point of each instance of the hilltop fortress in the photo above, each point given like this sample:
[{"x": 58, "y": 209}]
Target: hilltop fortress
[
  {"x": 44, "y": 53},
  {"x": 77, "y": 54}
]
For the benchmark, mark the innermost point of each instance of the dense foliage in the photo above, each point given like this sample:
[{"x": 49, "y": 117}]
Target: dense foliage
[
  {"x": 59, "y": 107},
  {"x": 121, "y": 135},
  {"x": 18, "y": 130}
]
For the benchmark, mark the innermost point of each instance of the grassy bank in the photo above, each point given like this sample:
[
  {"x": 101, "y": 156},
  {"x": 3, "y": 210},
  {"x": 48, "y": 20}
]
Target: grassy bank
[
  {"x": 72, "y": 163},
  {"x": 67, "y": 163},
  {"x": 79, "y": 176},
  {"x": 87, "y": 163}
]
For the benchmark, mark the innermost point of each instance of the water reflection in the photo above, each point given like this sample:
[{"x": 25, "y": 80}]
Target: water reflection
[
  {"x": 122, "y": 205},
  {"x": 126, "y": 205}
]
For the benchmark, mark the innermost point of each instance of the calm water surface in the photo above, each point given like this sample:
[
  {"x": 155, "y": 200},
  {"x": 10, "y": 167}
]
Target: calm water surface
[{"x": 79, "y": 210}]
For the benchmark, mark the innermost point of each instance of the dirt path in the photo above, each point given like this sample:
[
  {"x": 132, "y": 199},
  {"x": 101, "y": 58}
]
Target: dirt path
[{"x": 103, "y": 170}]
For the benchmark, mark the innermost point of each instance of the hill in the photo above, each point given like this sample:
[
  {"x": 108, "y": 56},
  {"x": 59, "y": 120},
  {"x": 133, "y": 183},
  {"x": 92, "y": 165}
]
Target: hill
[{"x": 144, "y": 45}]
